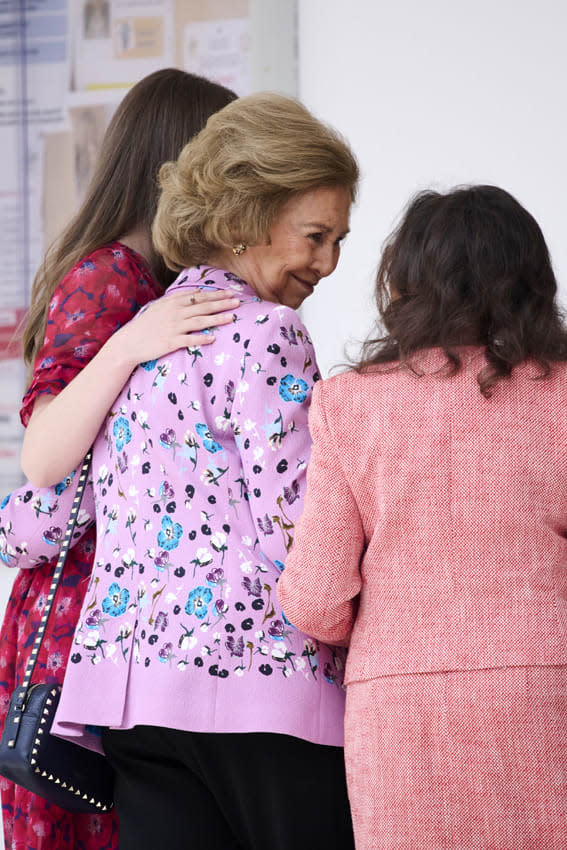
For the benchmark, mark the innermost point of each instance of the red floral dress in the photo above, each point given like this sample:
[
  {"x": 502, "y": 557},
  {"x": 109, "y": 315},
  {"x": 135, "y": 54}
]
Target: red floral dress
[{"x": 99, "y": 295}]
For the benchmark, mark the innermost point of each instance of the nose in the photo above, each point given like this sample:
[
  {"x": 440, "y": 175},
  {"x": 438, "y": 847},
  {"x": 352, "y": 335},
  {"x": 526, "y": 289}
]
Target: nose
[{"x": 326, "y": 259}]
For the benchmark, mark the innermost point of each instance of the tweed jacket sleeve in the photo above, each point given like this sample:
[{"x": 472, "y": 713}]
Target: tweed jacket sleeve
[
  {"x": 33, "y": 521},
  {"x": 319, "y": 588}
]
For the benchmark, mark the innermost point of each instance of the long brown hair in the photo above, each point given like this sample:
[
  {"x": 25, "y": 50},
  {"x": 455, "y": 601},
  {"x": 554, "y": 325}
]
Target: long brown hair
[
  {"x": 470, "y": 267},
  {"x": 158, "y": 116}
]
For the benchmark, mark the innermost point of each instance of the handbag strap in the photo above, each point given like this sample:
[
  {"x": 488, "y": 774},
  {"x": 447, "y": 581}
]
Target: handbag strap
[{"x": 30, "y": 667}]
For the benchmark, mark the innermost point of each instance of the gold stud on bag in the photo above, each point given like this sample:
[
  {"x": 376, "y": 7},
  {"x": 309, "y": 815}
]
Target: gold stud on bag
[{"x": 63, "y": 773}]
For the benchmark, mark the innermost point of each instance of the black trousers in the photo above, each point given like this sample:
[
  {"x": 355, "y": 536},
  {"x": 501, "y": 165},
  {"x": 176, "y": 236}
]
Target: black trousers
[{"x": 253, "y": 791}]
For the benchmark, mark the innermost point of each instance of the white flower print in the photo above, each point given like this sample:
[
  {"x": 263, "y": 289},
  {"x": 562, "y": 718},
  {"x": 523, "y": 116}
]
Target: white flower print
[
  {"x": 129, "y": 558},
  {"x": 187, "y": 642},
  {"x": 241, "y": 390},
  {"x": 218, "y": 541},
  {"x": 91, "y": 639},
  {"x": 83, "y": 518}
]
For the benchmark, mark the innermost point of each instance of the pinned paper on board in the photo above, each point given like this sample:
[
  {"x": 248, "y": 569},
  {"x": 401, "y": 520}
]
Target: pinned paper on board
[{"x": 219, "y": 50}]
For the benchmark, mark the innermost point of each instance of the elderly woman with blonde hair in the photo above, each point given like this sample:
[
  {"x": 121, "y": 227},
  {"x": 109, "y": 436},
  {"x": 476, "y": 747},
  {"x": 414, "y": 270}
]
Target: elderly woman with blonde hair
[{"x": 223, "y": 722}]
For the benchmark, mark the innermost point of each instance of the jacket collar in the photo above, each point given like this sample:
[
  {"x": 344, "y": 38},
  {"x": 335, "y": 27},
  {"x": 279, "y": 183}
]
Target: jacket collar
[{"x": 209, "y": 278}]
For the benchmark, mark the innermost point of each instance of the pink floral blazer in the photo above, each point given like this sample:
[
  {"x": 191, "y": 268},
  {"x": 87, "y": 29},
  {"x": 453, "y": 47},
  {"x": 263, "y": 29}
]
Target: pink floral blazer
[{"x": 198, "y": 479}]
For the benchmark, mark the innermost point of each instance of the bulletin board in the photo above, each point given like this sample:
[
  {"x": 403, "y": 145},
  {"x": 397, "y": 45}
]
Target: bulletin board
[{"x": 65, "y": 65}]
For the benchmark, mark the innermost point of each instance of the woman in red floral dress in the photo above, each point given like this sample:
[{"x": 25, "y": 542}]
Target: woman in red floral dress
[{"x": 101, "y": 271}]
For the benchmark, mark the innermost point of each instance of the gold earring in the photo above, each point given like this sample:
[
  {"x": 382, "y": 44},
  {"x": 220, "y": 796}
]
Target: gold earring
[{"x": 239, "y": 249}]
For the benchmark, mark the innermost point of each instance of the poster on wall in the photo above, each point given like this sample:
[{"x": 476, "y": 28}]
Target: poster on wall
[
  {"x": 34, "y": 74},
  {"x": 219, "y": 50},
  {"x": 114, "y": 44}
]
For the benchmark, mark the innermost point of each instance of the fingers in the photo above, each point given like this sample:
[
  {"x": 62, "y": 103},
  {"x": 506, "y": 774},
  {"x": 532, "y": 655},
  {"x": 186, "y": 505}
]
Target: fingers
[
  {"x": 198, "y": 323},
  {"x": 193, "y": 340},
  {"x": 208, "y": 308},
  {"x": 192, "y": 298}
]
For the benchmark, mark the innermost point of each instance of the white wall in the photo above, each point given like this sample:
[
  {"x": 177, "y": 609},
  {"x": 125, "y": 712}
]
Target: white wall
[{"x": 431, "y": 93}]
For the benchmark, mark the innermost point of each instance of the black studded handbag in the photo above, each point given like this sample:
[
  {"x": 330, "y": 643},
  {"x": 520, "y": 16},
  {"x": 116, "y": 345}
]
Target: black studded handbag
[{"x": 63, "y": 773}]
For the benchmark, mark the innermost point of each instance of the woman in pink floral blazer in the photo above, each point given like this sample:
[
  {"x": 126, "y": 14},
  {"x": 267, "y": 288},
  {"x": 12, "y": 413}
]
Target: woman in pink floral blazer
[
  {"x": 223, "y": 722},
  {"x": 434, "y": 537}
]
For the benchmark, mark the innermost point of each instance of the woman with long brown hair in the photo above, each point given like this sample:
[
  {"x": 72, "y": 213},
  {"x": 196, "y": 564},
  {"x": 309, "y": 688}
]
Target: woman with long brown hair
[
  {"x": 433, "y": 539},
  {"x": 100, "y": 272}
]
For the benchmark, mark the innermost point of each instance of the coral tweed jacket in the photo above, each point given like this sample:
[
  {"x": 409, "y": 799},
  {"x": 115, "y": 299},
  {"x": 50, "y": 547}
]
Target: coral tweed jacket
[{"x": 434, "y": 533}]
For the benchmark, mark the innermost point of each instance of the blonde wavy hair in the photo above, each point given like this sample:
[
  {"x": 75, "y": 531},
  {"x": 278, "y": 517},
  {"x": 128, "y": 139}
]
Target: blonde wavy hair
[{"x": 231, "y": 181}]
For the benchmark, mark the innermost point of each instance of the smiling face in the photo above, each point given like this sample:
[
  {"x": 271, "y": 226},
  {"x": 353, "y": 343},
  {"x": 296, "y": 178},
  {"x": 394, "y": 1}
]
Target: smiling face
[{"x": 304, "y": 246}]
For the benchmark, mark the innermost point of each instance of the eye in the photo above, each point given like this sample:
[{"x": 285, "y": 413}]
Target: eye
[{"x": 316, "y": 237}]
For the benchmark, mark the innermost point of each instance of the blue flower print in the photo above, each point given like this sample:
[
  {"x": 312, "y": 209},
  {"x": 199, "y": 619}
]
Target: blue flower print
[
  {"x": 198, "y": 601},
  {"x": 170, "y": 534},
  {"x": 293, "y": 389},
  {"x": 5, "y": 501},
  {"x": 148, "y": 365},
  {"x": 208, "y": 443},
  {"x": 279, "y": 565},
  {"x": 122, "y": 432},
  {"x": 59, "y": 488},
  {"x": 116, "y": 601}
]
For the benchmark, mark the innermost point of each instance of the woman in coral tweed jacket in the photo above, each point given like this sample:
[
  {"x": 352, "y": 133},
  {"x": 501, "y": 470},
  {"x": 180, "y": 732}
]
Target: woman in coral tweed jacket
[{"x": 434, "y": 540}]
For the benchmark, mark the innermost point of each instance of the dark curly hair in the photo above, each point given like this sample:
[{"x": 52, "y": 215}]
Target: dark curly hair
[{"x": 470, "y": 267}]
